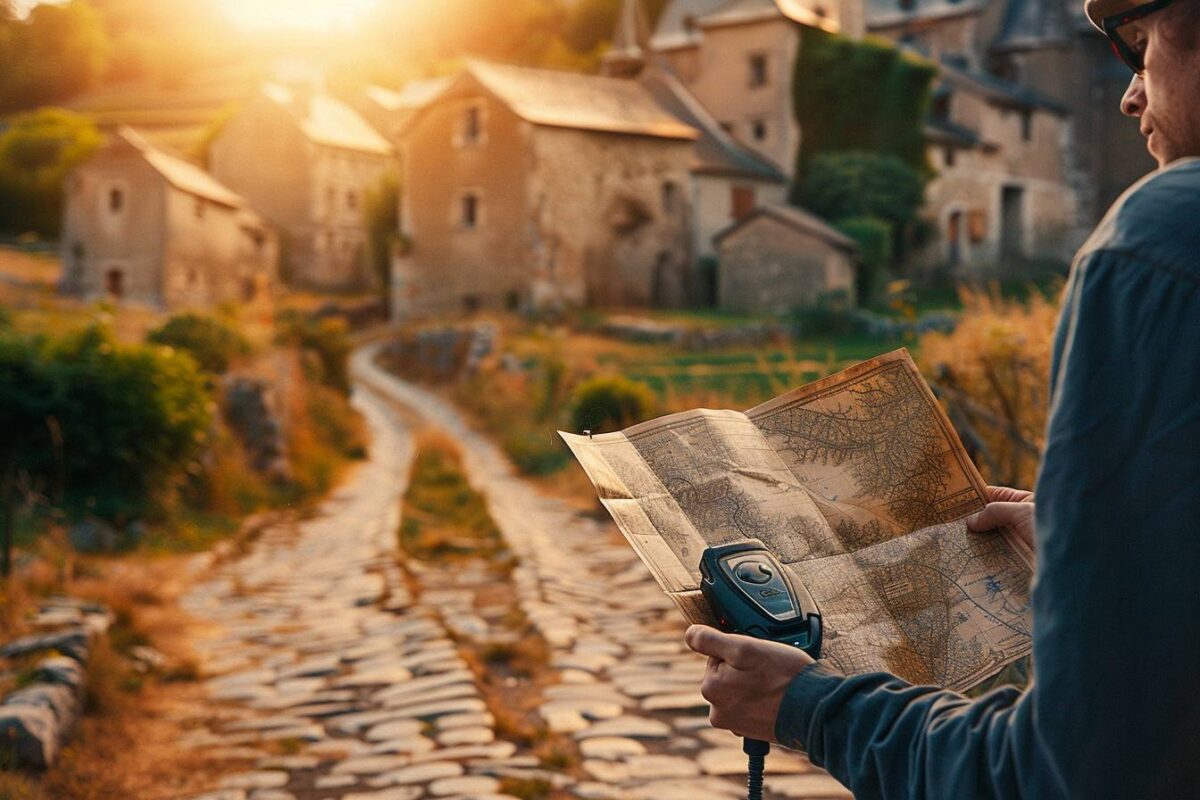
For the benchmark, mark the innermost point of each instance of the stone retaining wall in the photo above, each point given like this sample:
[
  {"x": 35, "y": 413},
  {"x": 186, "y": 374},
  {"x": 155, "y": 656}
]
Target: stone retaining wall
[{"x": 36, "y": 719}]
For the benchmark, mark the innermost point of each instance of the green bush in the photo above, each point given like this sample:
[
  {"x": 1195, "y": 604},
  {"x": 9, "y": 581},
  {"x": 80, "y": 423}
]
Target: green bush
[
  {"x": 98, "y": 427},
  {"x": 211, "y": 342},
  {"x": 610, "y": 403},
  {"x": 874, "y": 237},
  {"x": 536, "y": 452},
  {"x": 841, "y": 186},
  {"x": 327, "y": 339},
  {"x": 37, "y": 151}
]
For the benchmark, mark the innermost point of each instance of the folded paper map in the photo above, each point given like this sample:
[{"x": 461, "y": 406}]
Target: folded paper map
[{"x": 859, "y": 485}]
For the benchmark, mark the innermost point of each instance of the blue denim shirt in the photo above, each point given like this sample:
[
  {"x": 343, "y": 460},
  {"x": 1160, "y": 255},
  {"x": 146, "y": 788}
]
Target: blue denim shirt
[{"x": 1113, "y": 710}]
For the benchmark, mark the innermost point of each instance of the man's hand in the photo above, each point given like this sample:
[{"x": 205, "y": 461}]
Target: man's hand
[
  {"x": 746, "y": 679},
  {"x": 1007, "y": 508}
]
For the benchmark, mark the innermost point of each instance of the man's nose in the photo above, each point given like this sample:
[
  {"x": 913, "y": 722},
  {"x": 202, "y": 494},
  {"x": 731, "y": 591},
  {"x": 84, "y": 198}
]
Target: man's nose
[{"x": 1133, "y": 104}]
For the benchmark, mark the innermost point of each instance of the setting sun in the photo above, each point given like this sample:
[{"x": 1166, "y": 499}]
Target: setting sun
[{"x": 313, "y": 15}]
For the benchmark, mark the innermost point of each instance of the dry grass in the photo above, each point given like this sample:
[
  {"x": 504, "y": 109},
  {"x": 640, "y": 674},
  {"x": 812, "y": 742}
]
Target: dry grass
[
  {"x": 123, "y": 747},
  {"x": 993, "y": 372}
]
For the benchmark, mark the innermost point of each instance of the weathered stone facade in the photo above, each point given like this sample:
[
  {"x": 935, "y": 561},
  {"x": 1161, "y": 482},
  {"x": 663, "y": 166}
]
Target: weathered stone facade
[
  {"x": 307, "y": 162},
  {"x": 142, "y": 225},
  {"x": 780, "y": 259},
  {"x": 523, "y": 190}
]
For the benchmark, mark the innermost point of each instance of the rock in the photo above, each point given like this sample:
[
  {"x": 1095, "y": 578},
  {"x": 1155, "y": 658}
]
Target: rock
[
  {"x": 394, "y": 793},
  {"x": 456, "y": 736},
  {"x": 708, "y": 789},
  {"x": 335, "y": 782},
  {"x": 370, "y": 765},
  {"x": 423, "y": 773},
  {"x": 451, "y": 721},
  {"x": 396, "y": 729},
  {"x": 589, "y": 790},
  {"x": 684, "y": 701},
  {"x": 63, "y": 701},
  {"x": 29, "y": 735},
  {"x": 611, "y": 748},
  {"x": 61, "y": 671},
  {"x": 224, "y": 794},
  {"x": 72, "y": 643},
  {"x": 93, "y": 536},
  {"x": 473, "y": 785},
  {"x": 660, "y": 766},
  {"x": 606, "y": 771},
  {"x": 289, "y": 763},
  {"x": 262, "y": 779},
  {"x": 627, "y": 726},
  {"x": 411, "y": 745}
]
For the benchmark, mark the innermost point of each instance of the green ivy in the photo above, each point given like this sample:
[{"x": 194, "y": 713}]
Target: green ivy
[{"x": 863, "y": 96}]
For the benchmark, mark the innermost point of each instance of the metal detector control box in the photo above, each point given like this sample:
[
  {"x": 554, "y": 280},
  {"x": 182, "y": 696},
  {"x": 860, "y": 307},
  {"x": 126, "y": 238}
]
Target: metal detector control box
[{"x": 751, "y": 593}]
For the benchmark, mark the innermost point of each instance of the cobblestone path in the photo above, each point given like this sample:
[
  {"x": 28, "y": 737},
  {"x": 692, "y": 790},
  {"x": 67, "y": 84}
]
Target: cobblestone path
[{"x": 331, "y": 681}]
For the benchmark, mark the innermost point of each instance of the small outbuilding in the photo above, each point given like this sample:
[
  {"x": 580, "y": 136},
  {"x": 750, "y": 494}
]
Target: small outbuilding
[{"x": 780, "y": 258}]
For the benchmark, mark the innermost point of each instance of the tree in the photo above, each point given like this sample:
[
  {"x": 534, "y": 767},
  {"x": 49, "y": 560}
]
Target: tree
[
  {"x": 212, "y": 343},
  {"x": 37, "y": 151},
  {"x": 57, "y": 52},
  {"x": 381, "y": 213}
]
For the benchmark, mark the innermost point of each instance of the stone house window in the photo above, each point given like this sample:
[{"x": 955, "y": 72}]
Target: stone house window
[
  {"x": 950, "y": 156},
  {"x": 742, "y": 202},
  {"x": 670, "y": 197},
  {"x": 758, "y": 129},
  {"x": 471, "y": 127},
  {"x": 469, "y": 211},
  {"x": 759, "y": 74},
  {"x": 1027, "y": 126},
  {"x": 116, "y": 200}
]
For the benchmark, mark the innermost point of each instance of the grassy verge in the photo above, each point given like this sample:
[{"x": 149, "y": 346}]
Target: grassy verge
[{"x": 446, "y": 523}]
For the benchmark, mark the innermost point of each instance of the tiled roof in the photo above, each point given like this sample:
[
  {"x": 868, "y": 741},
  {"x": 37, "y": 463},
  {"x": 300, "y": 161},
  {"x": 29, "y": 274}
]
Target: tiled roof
[
  {"x": 183, "y": 175},
  {"x": 585, "y": 102},
  {"x": 327, "y": 121},
  {"x": 717, "y": 153},
  {"x": 681, "y": 20},
  {"x": 734, "y": 12},
  {"x": 943, "y": 131},
  {"x": 1032, "y": 23},
  {"x": 676, "y": 26},
  {"x": 997, "y": 90},
  {"x": 413, "y": 95},
  {"x": 888, "y": 13},
  {"x": 797, "y": 219}
]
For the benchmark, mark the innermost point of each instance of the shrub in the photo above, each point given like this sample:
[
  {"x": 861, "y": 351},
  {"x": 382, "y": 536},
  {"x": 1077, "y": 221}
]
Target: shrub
[
  {"x": 328, "y": 340},
  {"x": 211, "y": 342},
  {"x": 874, "y": 237},
  {"x": 96, "y": 426},
  {"x": 610, "y": 403},
  {"x": 857, "y": 184},
  {"x": 992, "y": 373}
]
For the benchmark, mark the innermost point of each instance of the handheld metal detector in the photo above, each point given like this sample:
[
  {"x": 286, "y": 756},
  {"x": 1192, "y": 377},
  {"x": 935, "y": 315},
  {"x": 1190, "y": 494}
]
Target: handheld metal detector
[{"x": 751, "y": 593}]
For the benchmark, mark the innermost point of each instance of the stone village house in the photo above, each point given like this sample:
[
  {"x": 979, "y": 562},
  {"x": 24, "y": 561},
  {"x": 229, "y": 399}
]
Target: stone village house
[
  {"x": 1001, "y": 192},
  {"x": 307, "y": 162},
  {"x": 143, "y": 225},
  {"x": 530, "y": 187}
]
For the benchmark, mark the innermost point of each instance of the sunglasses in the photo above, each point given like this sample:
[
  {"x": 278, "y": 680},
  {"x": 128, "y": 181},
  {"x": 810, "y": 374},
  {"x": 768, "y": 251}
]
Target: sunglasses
[{"x": 1133, "y": 55}]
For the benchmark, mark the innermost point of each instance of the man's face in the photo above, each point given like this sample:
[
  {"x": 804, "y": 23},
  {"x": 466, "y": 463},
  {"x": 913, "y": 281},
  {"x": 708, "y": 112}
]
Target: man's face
[{"x": 1166, "y": 97}]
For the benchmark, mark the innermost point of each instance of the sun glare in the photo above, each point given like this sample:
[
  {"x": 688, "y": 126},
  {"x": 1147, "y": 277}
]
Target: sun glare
[{"x": 308, "y": 15}]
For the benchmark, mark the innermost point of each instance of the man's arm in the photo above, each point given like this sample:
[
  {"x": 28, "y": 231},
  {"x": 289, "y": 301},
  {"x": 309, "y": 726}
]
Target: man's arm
[{"x": 1114, "y": 711}]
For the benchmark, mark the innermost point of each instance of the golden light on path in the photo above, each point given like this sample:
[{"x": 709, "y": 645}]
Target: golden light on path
[{"x": 303, "y": 15}]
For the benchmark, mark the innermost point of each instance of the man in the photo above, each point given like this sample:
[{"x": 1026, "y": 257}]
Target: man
[{"x": 1113, "y": 710}]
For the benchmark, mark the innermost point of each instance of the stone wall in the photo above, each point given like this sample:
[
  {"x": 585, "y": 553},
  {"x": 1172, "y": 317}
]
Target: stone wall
[
  {"x": 769, "y": 268},
  {"x": 36, "y": 720}
]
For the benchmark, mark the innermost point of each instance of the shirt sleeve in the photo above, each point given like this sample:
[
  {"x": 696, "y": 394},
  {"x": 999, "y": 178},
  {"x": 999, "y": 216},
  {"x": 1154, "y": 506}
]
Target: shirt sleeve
[{"x": 1113, "y": 711}]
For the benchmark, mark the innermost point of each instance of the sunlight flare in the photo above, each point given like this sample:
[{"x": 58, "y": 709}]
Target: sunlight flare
[{"x": 311, "y": 15}]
